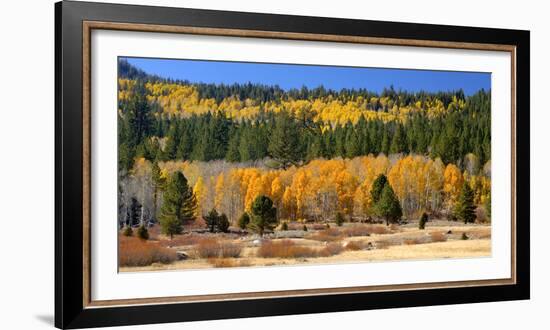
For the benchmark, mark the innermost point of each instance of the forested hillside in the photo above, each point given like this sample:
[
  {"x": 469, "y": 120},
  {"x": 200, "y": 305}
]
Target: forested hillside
[{"x": 314, "y": 152}]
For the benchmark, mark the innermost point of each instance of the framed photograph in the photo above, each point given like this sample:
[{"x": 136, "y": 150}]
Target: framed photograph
[{"x": 215, "y": 164}]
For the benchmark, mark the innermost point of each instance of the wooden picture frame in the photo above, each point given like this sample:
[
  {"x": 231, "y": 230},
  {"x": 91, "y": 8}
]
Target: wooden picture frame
[{"x": 74, "y": 307}]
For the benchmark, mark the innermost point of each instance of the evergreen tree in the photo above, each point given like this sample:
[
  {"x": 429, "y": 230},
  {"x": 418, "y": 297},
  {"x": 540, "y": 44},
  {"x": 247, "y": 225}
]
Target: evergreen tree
[
  {"x": 377, "y": 187},
  {"x": 233, "y": 154},
  {"x": 142, "y": 232},
  {"x": 353, "y": 147},
  {"x": 158, "y": 184},
  {"x": 223, "y": 223},
  {"x": 216, "y": 222},
  {"x": 179, "y": 205},
  {"x": 284, "y": 142},
  {"x": 185, "y": 143},
  {"x": 134, "y": 213},
  {"x": 243, "y": 221},
  {"x": 465, "y": 208},
  {"x": 264, "y": 215},
  {"x": 423, "y": 220},
  {"x": 128, "y": 231},
  {"x": 388, "y": 206},
  {"x": 399, "y": 143},
  {"x": 385, "y": 144},
  {"x": 284, "y": 226},
  {"x": 339, "y": 219},
  {"x": 211, "y": 220}
]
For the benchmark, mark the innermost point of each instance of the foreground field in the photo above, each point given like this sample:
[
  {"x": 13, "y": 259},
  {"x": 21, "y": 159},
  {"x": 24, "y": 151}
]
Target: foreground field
[{"x": 351, "y": 243}]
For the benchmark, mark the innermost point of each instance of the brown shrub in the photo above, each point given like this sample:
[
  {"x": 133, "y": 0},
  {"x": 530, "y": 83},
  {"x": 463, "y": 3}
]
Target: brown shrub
[
  {"x": 284, "y": 249},
  {"x": 357, "y": 230},
  {"x": 230, "y": 250},
  {"x": 208, "y": 248},
  {"x": 214, "y": 248},
  {"x": 331, "y": 249},
  {"x": 412, "y": 241},
  {"x": 394, "y": 227},
  {"x": 379, "y": 229},
  {"x": 354, "y": 246},
  {"x": 382, "y": 244},
  {"x": 438, "y": 236},
  {"x": 318, "y": 226},
  {"x": 481, "y": 215},
  {"x": 326, "y": 235},
  {"x": 134, "y": 252}
]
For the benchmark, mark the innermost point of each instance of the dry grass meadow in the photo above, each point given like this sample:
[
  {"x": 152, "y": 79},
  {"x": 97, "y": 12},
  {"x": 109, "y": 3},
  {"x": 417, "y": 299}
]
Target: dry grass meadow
[{"x": 350, "y": 243}]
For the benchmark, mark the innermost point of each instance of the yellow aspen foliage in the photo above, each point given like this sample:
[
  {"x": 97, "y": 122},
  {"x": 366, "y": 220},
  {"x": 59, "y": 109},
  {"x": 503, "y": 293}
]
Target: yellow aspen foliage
[
  {"x": 453, "y": 181},
  {"x": 219, "y": 192},
  {"x": 346, "y": 184},
  {"x": 289, "y": 204},
  {"x": 324, "y": 187},
  {"x": 200, "y": 193},
  {"x": 184, "y": 100},
  {"x": 302, "y": 192},
  {"x": 277, "y": 190}
]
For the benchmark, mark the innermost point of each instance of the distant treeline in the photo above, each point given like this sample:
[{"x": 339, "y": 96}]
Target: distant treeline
[
  {"x": 290, "y": 139},
  {"x": 265, "y": 93}
]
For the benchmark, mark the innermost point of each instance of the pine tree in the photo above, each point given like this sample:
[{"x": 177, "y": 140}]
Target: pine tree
[
  {"x": 158, "y": 184},
  {"x": 185, "y": 144},
  {"x": 142, "y": 232},
  {"x": 399, "y": 143},
  {"x": 385, "y": 146},
  {"x": 134, "y": 212},
  {"x": 211, "y": 220},
  {"x": 388, "y": 206},
  {"x": 244, "y": 220},
  {"x": 179, "y": 205},
  {"x": 353, "y": 148},
  {"x": 377, "y": 187},
  {"x": 128, "y": 231},
  {"x": 339, "y": 219},
  {"x": 284, "y": 142},
  {"x": 264, "y": 215},
  {"x": 223, "y": 223},
  {"x": 465, "y": 208},
  {"x": 138, "y": 114},
  {"x": 423, "y": 220},
  {"x": 284, "y": 226},
  {"x": 233, "y": 154}
]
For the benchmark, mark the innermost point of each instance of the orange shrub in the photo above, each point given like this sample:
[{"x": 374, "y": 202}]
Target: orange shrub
[
  {"x": 208, "y": 248},
  {"x": 285, "y": 249},
  {"x": 215, "y": 248},
  {"x": 382, "y": 244},
  {"x": 354, "y": 246},
  {"x": 379, "y": 229},
  {"x": 438, "y": 236},
  {"x": 331, "y": 249},
  {"x": 357, "y": 230},
  {"x": 412, "y": 241},
  {"x": 230, "y": 250},
  {"x": 134, "y": 252},
  {"x": 327, "y": 235}
]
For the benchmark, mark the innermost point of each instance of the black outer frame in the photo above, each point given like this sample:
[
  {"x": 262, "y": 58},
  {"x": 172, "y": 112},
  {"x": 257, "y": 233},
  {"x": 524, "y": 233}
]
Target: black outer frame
[{"x": 69, "y": 308}]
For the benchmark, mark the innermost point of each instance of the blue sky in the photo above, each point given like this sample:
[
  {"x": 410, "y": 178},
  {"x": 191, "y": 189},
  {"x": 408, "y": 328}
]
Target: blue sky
[{"x": 295, "y": 76}]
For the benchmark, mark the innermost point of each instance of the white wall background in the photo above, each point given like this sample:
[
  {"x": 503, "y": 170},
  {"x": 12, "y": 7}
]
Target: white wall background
[{"x": 27, "y": 163}]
